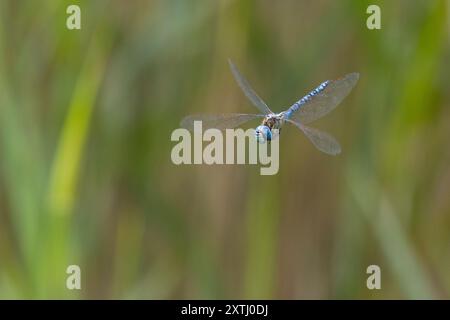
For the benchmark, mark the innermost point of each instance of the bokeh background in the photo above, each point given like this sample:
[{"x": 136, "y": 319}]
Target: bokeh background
[{"x": 86, "y": 176}]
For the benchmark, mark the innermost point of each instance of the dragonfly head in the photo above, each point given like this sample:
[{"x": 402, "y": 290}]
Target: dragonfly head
[{"x": 263, "y": 134}]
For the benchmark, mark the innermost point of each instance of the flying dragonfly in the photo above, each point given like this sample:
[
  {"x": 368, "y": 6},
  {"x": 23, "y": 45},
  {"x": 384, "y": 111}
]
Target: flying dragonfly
[{"x": 313, "y": 106}]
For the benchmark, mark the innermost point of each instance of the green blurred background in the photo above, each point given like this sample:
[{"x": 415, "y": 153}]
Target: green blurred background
[{"x": 86, "y": 176}]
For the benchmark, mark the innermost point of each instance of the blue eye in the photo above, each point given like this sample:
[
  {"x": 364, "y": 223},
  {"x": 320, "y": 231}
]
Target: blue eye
[{"x": 263, "y": 134}]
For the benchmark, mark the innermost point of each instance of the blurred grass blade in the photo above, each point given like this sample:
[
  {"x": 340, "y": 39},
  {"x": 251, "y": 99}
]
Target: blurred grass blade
[
  {"x": 66, "y": 165},
  {"x": 65, "y": 172},
  {"x": 262, "y": 239},
  {"x": 392, "y": 239}
]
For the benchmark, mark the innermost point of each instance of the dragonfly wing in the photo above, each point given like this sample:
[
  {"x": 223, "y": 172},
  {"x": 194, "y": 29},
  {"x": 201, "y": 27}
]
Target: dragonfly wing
[
  {"x": 317, "y": 105},
  {"x": 321, "y": 140},
  {"x": 219, "y": 121},
  {"x": 248, "y": 91}
]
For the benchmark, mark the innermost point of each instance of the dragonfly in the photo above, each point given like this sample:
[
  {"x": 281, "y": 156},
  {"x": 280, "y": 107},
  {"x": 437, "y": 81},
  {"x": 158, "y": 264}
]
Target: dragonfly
[{"x": 316, "y": 104}]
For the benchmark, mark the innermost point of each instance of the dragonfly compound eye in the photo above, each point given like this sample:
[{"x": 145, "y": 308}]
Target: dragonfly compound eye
[{"x": 263, "y": 134}]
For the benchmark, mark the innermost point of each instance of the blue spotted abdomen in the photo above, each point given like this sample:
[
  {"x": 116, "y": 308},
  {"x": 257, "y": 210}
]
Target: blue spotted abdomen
[{"x": 306, "y": 98}]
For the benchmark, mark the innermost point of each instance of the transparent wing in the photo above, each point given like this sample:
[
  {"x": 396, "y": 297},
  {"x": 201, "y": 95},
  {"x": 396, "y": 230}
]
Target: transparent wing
[
  {"x": 321, "y": 140},
  {"x": 248, "y": 91},
  {"x": 219, "y": 121},
  {"x": 325, "y": 101}
]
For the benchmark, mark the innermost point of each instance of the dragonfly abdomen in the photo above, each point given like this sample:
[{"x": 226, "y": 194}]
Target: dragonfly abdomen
[{"x": 306, "y": 98}]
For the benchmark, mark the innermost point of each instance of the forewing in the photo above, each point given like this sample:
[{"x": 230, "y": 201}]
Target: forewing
[
  {"x": 321, "y": 140},
  {"x": 219, "y": 121},
  {"x": 325, "y": 101},
  {"x": 248, "y": 91}
]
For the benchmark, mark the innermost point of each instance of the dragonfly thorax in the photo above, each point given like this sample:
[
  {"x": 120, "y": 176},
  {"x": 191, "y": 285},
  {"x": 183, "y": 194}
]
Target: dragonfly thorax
[{"x": 274, "y": 121}]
